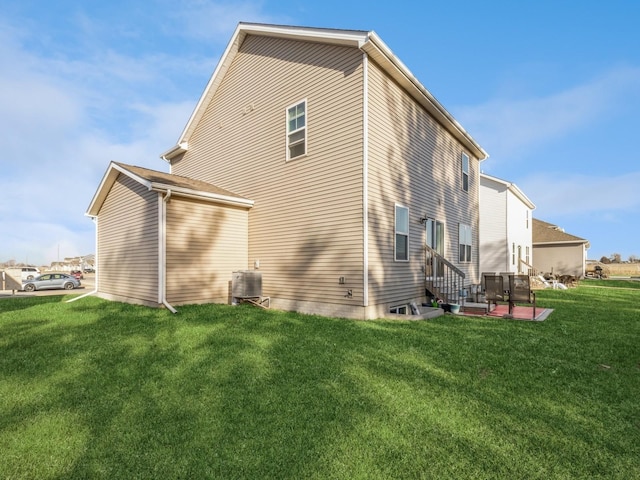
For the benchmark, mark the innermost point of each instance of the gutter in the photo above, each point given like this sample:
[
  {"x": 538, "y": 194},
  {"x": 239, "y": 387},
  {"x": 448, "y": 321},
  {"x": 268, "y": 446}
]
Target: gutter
[
  {"x": 92, "y": 292},
  {"x": 181, "y": 147},
  {"x": 199, "y": 195},
  {"x": 380, "y": 52},
  {"x": 162, "y": 264}
]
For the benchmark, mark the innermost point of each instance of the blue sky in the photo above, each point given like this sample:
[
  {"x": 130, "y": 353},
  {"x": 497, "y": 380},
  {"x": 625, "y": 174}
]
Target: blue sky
[{"x": 551, "y": 90}]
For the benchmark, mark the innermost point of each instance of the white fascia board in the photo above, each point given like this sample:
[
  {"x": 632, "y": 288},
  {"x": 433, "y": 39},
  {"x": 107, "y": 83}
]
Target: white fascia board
[
  {"x": 523, "y": 198},
  {"x": 142, "y": 181},
  {"x": 164, "y": 187},
  {"x": 563, "y": 242},
  {"x": 105, "y": 186},
  {"x": 207, "y": 94},
  {"x": 495, "y": 179},
  {"x": 337, "y": 37},
  {"x": 101, "y": 192},
  {"x": 383, "y": 55},
  {"x": 350, "y": 38},
  {"x": 174, "y": 151},
  {"x": 369, "y": 42},
  {"x": 114, "y": 170},
  {"x": 513, "y": 188},
  {"x": 213, "y": 197}
]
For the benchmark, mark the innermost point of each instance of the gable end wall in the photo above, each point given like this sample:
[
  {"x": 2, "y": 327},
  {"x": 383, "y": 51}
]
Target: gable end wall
[
  {"x": 128, "y": 243},
  {"x": 305, "y": 229}
]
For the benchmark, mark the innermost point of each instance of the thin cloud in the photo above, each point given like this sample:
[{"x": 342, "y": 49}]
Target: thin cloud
[
  {"x": 207, "y": 20},
  {"x": 583, "y": 195},
  {"x": 507, "y": 128},
  {"x": 59, "y": 118}
]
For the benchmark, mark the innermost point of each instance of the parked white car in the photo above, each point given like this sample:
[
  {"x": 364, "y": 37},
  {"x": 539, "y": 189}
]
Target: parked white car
[{"x": 23, "y": 274}]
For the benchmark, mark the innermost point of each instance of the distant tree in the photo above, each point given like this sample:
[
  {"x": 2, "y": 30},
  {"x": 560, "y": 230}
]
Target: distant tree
[
  {"x": 605, "y": 260},
  {"x": 633, "y": 259},
  {"x": 616, "y": 258}
]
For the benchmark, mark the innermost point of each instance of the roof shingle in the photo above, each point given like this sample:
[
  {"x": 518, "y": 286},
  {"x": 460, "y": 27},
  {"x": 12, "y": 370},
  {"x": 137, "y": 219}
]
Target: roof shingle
[
  {"x": 177, "y": 181},
  {"x": 544, "y": 232}
]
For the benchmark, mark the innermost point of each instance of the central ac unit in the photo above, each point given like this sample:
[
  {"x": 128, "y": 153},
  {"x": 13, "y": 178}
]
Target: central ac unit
[{"x": 246, "y": 284}]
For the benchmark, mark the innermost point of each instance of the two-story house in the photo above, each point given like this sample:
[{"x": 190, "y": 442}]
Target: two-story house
[
  {"x": 506, "y": 227},
  {"x": 314, "y": 157}
]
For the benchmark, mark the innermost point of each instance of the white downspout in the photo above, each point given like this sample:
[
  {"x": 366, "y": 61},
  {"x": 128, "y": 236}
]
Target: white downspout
[
  {"x": 95, "y": 286},
  {"x": 365, "y": 183},
  {"x": 162, "y": 257}
]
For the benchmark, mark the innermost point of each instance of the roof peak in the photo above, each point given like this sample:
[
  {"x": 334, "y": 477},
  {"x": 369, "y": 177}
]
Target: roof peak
[{"x": 367, "y": 41}]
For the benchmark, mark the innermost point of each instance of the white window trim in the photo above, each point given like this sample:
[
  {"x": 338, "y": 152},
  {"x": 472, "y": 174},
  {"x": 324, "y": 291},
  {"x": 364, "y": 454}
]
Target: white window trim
[
  {"x": 467, "y": 173},
  {"x": 431, "y": 230},
  {"x": 465, "y": 230},
  {"x": 396, "y": 233},
  {"x": 397, "y": 309},
  {"x": 306, "y": 131}
]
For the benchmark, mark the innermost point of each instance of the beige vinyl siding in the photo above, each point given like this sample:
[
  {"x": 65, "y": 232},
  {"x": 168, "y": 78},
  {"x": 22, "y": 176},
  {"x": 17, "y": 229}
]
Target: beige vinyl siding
[
  {"x": 205, "y": 244},
  {"x": 306, "y": 226},
  {"x": 415, "y": 162},
  {"x": 128, "y": 242},
  {"x": 565, "y": 259}
]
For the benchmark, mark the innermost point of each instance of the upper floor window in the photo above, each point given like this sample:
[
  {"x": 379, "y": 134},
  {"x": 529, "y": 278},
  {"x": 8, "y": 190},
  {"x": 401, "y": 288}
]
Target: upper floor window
[
  {"x": 464, "y": 164},
  {"x": 465, "y": 240},
  {"x": 402, "y": 233},
  {"x": 297, "y": 130}
]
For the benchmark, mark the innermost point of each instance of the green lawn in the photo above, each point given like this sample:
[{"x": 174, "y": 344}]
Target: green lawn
[{"x": 97, "y": 389}]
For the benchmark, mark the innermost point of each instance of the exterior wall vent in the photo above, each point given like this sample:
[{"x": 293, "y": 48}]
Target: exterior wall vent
[{"x": 246, "y": 284}]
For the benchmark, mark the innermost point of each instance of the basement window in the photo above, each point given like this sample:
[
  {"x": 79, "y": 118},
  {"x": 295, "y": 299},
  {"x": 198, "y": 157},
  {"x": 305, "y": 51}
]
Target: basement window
[{"x": 400, "y": 310}]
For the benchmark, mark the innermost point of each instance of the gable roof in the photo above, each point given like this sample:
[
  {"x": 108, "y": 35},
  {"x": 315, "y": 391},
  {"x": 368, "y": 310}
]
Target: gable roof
[
  {"x": 367, "y": 41},
  {"x": 511, "y": 187},
  {"x": 548, "y": 233},
  {"x": 163, "y": 182}
]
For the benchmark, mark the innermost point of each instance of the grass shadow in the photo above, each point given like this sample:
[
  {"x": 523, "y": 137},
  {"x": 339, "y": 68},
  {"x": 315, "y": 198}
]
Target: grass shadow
[{"x": 97, "y": 389}]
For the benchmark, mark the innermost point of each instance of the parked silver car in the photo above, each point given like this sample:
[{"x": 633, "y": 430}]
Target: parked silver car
[{"x": 50, "y": 281}]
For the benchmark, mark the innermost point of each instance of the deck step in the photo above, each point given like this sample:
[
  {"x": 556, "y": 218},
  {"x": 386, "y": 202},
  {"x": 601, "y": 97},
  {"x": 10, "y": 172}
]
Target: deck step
[{"x": 475, "y": 308}]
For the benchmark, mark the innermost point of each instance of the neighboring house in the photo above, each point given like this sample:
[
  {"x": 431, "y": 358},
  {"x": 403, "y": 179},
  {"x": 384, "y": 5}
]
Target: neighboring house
[
  {"x": 343, "y": 166},
  {"x": 557, "y": 252},
  {"x": 72, "y": 263},
  {"x": 505, "y": 227}
]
